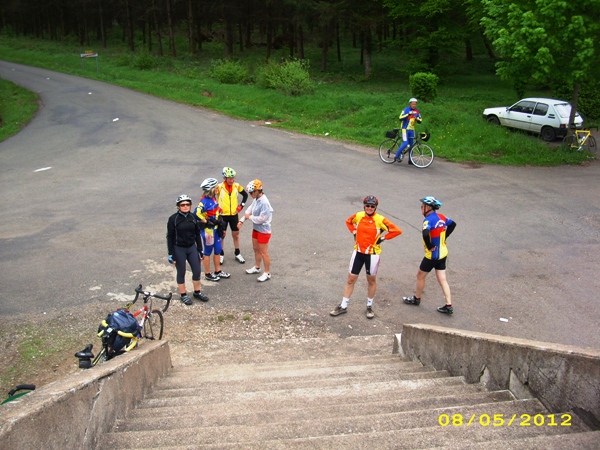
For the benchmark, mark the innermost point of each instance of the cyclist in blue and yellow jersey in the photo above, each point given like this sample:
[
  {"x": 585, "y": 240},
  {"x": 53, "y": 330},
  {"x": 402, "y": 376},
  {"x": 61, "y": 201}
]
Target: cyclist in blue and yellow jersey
[
  {"x": 436, "y": 228},
  {"x": 213, "y": 230},
  {"x": 368, "y": 228},
  {"x": 228, "y": 201},
  {"x": 408, "y": 117}
]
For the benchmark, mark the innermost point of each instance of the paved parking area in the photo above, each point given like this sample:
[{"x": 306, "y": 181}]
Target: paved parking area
[{"x": 88, "y": 186}]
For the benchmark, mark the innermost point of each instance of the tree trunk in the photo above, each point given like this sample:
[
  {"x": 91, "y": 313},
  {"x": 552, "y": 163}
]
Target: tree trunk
[
  {"x": 157, "y": 28},
  {"x": 300, "y": 42},
  {"x": 191, "y": 34},
  {"x": 574, "y": 103},
  {"x": 171, "y": 29},
  {"x": 129, "y": 26},
  {"x": 469, "y": 49},
  {"x": 337, "y": 42},
  {"x": 368, "y": 51},
  {"x": 228, "y": 36},
  {"x": 102, "y": 27}
]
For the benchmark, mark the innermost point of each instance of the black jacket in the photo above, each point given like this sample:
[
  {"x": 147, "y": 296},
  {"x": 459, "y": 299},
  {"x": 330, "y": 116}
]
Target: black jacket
[{"x": 183, "y": 230}]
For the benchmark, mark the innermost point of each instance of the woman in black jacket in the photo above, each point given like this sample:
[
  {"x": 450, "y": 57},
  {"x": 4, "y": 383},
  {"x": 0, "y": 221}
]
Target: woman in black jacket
[{"x": 185, "y": 244}]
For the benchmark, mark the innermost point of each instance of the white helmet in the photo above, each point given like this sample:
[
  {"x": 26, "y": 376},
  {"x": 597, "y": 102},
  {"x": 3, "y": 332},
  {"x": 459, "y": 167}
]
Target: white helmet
[
  {"x": 183, "y": 198},
  {"x": 413, "y": 100},
  {"x": 208, "y": 184},
  {"x": 254, "y": 185}
]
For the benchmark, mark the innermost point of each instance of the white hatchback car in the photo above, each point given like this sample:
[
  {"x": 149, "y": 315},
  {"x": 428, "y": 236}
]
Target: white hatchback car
[{"x": 544, "y": 116}]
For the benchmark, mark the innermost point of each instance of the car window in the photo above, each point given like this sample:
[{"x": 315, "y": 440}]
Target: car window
[
  {"x": 524, "y": 107},
  {"x": 540, "y": 109},
  {"x": 564, "y": 110}
]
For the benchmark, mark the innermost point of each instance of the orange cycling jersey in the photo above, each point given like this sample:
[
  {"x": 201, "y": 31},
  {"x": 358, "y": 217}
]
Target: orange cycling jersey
[{"x": 368, "y": 231}]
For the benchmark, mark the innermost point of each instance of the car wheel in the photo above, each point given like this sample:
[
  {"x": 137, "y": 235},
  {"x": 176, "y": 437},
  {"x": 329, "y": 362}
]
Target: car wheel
[
  {"x": 548, "y": 134},
  {"x": 493, "y": 120}
]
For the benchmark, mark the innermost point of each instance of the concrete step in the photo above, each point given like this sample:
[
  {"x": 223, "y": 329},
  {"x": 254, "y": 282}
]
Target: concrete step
[
  {"x": 218, "y": 415},
  {"x": 317, "y": 426},
  {"x": 174, "y": 407},
  {"x": 314, "y": 363},
  {"x": 237, "y": 394},
  {"x": 450, "y": 437},
  {"x": 280, "y": 350},
  {"x": 258, "y": 373},
  {"x": 178, "y": 388}
]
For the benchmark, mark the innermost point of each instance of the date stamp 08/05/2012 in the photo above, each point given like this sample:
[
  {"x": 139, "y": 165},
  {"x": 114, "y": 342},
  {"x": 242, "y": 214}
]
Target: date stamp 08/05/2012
[{"x": 502, "y": 420}]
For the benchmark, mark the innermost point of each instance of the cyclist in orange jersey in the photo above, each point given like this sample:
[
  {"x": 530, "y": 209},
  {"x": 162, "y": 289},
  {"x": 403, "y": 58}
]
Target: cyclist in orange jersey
[{"x": 368, "y": 228}]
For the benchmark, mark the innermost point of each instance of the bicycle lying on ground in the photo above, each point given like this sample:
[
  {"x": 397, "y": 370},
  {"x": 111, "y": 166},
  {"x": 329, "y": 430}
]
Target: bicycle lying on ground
[
  {"x": 580, "y": 140},
  {"x": 150, "y": 322},
  {"x": 420, "y": 154}
]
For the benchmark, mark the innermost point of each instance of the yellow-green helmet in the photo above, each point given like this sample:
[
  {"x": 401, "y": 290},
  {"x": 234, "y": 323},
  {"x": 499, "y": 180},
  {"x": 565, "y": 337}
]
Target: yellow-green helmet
[{"x": 228, "y": 172}]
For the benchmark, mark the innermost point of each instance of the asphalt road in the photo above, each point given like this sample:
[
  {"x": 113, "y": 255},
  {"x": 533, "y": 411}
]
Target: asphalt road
[{"x": 91, "y": 226}]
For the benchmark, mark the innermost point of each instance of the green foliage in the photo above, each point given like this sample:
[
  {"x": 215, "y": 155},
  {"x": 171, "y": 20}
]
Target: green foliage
[
  {"x": 289, "y": 77},
  {"x": 340, "y": 108},
  {"x": 589, "y": 99},
  {"x": 424, "y": 86},
  {"x": 229, "y": 72},
  {"x": 544, "y": 42},
  {"x": 144, "y": 61},
  {"x": 17, "y": 107}
]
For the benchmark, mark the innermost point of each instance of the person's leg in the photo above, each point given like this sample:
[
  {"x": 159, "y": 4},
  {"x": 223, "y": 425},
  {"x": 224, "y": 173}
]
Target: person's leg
[
  {"x": 371, "y": 286},
  {"x": 441, "y": 277},
  {"x": 420, "y": 283},
  {"x": 257, "y": 254},
  {"x": 403, "y": 146},
  {"x": 236, "y": 239},
  {"x": 264, "y": 254},
  {"x": 349, "y": 289}
]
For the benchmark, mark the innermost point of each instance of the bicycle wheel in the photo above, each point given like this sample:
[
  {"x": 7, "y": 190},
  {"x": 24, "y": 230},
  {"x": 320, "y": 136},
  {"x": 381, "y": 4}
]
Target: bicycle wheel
[
  {"x": 570, "y": 142},
  {"x": 153, "y": 325},
  {"x": 421, "y": 155},
  {"x": 591, "y": 145},
  {"x": 387, "y": 151},
  {"x": 100, "y": 357}
]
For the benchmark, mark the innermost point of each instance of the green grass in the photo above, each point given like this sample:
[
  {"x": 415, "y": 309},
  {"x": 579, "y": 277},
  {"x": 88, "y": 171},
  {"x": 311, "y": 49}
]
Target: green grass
[
  {"x": 344, "y": 106},
  {"x": 17, "y": 107}
]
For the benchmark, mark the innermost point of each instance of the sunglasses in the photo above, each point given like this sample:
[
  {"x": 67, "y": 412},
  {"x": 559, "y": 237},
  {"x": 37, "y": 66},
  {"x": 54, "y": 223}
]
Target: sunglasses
[
  {"x": 370, "y": 206},
  {"x": 185, "y": 204}
]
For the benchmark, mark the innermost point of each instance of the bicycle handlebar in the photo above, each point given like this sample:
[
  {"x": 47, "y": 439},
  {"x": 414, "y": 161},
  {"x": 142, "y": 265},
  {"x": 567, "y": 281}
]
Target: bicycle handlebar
[{"x": 147, "y": 294}]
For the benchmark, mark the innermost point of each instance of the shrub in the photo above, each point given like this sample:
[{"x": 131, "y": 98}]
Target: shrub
[
  {"x": 290, "y": 77},
  {"x": 229, "y": 72},
  {"x": 424, "y": 85},
  {"x": 144, "y": 61}
]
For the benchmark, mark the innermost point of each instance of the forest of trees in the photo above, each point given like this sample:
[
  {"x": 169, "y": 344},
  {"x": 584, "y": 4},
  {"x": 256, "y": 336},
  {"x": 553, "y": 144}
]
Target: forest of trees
[
  {"x": 551, "y": 42},
  {"x": 427, "y": 28}
]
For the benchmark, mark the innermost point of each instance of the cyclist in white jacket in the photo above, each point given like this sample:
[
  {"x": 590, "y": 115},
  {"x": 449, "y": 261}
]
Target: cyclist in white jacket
[{"x": 260, "y": 213}]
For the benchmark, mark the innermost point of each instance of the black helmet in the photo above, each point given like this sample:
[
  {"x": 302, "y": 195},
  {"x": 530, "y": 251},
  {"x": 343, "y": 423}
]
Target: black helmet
[{"x": 370, "y": 200}]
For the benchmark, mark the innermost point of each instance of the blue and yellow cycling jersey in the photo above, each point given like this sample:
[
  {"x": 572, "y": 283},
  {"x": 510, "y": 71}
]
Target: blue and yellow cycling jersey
[
  {"x": 434, "y": 235},
  {"x": 408, "y": 117}
]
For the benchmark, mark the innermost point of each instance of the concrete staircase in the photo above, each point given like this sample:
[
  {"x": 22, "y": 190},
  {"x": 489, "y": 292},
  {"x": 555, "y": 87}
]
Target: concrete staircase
[{"x": 327, "y": 393}]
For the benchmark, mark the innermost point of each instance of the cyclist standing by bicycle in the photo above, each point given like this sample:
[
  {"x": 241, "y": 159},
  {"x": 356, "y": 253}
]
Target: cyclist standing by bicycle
[
  {"x": 184, "y": 244},
  {"x": 408, "y": 117},
  {"x": 208, "y": 211},
  {"x": 367, "y": 227},
  {"x": 228, "y": 201}
]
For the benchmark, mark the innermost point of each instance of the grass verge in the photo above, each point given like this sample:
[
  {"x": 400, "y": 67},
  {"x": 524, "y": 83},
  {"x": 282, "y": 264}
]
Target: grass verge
[
  {"x": 17, "y": 107},
  {"x": 343, "y": 106}
]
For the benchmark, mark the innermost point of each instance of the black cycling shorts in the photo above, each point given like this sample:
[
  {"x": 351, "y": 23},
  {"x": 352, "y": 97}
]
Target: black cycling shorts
[
  {"x": 232, "y": 221},
  {"x": 427, "y": 265}
]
